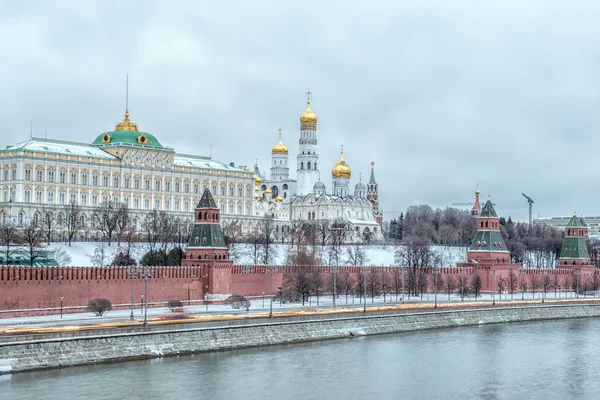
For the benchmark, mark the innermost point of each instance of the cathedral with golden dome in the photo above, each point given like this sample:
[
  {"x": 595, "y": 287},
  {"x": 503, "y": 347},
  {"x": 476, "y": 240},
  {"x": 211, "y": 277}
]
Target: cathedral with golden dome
[{"x": 307, "y": 197}]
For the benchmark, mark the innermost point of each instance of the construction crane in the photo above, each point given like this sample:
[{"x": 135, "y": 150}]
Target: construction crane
[{"x": 530, "y": 202}]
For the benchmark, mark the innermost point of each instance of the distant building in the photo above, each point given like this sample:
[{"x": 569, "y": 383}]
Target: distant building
[{"x": 592, "y": 223}]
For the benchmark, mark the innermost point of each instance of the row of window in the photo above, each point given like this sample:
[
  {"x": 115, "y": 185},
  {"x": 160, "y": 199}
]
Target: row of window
[
  {"x": 136, "y": 204},
  {"x": 166, "y": 186}
]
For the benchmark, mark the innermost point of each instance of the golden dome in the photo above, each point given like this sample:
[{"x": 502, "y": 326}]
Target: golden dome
[
  {"x": 477, "y": 190},
  {"x": 279, "y": 199},
  {"x": 279, "y": 148},
  {"x": 258, "y": 180},
  {"x": 126, "y": 124},
  {"x": 268, "y": 191},
  {"x": 308, "y": 117},
  {"x": 341, "y": 169}
]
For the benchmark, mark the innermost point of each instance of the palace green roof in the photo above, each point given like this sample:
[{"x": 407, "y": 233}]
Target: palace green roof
[
  {"x": 127, "y": 137},
  {"x": 575, "y": 222}
]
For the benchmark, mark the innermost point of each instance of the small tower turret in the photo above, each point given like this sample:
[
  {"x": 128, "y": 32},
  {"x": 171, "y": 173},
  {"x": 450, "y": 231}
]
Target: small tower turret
[
  {"x": 574, "y": 250},
  {"x": 488, "y": 246}
]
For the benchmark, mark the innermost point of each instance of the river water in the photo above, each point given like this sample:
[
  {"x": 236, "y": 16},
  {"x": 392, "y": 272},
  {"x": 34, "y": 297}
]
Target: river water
[{"x": 538, "y": 360}]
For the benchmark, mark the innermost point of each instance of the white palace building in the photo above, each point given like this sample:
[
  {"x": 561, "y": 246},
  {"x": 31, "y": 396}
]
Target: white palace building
[{"x": 122, "y": 165}]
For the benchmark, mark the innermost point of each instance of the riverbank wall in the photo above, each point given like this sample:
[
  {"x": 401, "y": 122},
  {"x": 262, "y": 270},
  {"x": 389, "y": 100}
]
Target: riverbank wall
[{"x": 110, "y": 348}]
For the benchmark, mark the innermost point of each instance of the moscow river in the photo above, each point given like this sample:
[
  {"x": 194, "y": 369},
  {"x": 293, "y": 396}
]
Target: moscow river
[{"x": 539, "y": 360}]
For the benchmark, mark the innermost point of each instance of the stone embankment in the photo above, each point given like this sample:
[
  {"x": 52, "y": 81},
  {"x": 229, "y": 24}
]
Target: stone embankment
[{"x": 109, "y": 348}]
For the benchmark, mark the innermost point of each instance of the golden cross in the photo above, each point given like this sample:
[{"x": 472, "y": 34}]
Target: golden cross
[
  {"x": 280, "y": 134},
  {"x": 308, "y": 95}
]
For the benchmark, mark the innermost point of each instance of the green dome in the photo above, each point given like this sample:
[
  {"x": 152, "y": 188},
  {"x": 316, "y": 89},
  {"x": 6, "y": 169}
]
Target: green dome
[{"x": 127, "y": 137}]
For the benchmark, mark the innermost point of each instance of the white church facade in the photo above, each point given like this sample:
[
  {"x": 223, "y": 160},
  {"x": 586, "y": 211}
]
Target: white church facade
[{"x": 307, "y": 198}]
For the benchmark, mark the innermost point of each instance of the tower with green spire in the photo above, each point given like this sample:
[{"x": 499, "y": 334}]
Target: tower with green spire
[
  {"x": 574, "y": 250},
  {"x": 207, "y": 248},
  {"x": 488, "y": 246},
  {"x": 373, "y": 195}
]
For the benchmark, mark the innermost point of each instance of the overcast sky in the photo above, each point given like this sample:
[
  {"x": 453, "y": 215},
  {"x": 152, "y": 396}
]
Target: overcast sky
[{"x": 442, "y": 95}]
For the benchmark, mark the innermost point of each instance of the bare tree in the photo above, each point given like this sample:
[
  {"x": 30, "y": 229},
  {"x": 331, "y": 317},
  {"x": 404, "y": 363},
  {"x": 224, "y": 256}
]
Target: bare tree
[
  {"x": 385, "y": 282},
  {"x": 268, "y": 247},
  {"x": 346, "y": 283},
  {"x": 72, "y": 222},
  {"x": 323, "y": 231},
  {"x": 476, "y": 286},
  {"x": 555, "y": 283},
  {"x": 534, "y": 283},
  {"x": 397, "y": 280},
  {"x": 232, "y": 233},
  {"x": 61, "y": 257},
  {"x": 373, "y": 284},
  {"x": 337, "y": 238},
  {"x": 254, "y": 246},
  {"x": 512, "y": 283},
  {"x": 151, "y": 230},
  {"x": 356, "y": 255},
  {"x": 9, "y": 237},
  {"x": 123, "y": 227},
  {"x": 501, "y": 284},
  {"x": 451, "y": 284},
  {"x": 301, "y": 279},
  {"x": 32, "y": 238},
  {"x": 101, "y": 255},
  {"x": 317, "y": 282},
  {"x": 415, "y": 253},
  {"x": 107, "y": 218},
  {"x": 48, "y": 223}
]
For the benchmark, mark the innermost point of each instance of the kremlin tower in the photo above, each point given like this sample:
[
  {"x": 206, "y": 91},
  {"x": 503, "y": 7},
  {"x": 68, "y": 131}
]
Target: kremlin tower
[
  {"x": 574, "y": 249},
  {"x": 207, "y": 247},
  {"x": 488, "y": 246},
  {"x": 373, "y": 195},
  {"x": 307, "y": 169}
]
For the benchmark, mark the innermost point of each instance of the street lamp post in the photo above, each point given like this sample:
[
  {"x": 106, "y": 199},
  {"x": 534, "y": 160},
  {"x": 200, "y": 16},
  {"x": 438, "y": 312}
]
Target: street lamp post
[
  {"x": 142, "y": 305},
  {"x": 62, "y": 298},
  {"x": 206, "y": 300},
  {"x": 147, "y": 274},
  {"x": 494, "y": 288},
  {"x": 132, "y": 274},
  {"x": 577, "y": 284},
  {"x": 436, "y": 271},
  {"x": 365, "y": 270},
  {"x": 462, "y": 284},
  {"x": 263, "y": 306},
  {"x": 335, "y": 271}
]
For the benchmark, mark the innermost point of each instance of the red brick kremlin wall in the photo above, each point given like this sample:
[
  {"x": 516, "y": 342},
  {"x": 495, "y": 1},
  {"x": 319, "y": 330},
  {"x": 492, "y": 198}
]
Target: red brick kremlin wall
[{"x": 41, "y": 287}]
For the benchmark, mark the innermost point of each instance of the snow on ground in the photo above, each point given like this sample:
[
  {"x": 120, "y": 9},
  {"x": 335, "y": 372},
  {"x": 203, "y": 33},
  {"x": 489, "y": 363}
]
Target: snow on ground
[{"x": 376, "y": 254}]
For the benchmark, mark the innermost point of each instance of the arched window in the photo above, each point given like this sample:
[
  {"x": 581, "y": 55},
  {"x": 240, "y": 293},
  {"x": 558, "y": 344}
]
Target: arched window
[
  {"x": 308, "y": 165},
  {"x": 301, "y": 165}
]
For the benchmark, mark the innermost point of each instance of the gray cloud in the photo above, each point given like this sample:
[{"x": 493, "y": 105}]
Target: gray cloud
[{"x": 441, "y": 95}]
